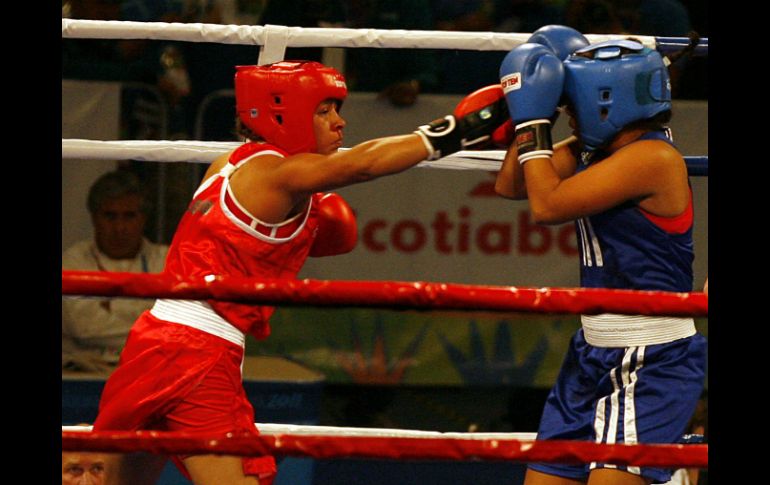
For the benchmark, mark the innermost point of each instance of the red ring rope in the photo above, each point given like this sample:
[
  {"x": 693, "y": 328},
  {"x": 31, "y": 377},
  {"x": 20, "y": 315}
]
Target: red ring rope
[
  {"x": 403, "y": 448},
  {"x": 387, "y": 294}
]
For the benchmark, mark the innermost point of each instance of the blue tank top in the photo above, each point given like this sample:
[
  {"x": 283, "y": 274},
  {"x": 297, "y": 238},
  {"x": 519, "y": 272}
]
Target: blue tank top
[{"x": 623, "y": 249}]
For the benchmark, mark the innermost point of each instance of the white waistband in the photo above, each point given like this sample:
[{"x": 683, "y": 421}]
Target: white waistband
[
  {"x": 614, "y": 330},
  {"x": 200, "y": 315}
]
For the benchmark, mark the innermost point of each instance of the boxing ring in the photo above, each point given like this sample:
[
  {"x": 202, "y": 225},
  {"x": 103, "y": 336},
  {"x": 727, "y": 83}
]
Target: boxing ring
[{"x": 323, "y": 442}]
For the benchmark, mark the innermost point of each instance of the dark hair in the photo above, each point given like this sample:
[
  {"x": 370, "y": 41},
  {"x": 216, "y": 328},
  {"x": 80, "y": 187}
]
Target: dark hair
[
  {"x": 655, "y": 123},
  {"x": 593, "y": 16},
  {"x": 118, "y": 183},
  {"x": 244, "y": 131}
]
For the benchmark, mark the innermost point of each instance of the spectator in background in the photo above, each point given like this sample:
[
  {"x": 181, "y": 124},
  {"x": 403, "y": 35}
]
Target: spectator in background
[
  {"x": 467, "y": 15},
  {"x": 164, "y": 62},
  {"x": 525, "y": 16},
  {"x": 473, "y": 15},
  {"x": 510, "y": 16},
  {"x": 398, "y": 75},
  {"x": 93, "y": 59},
  {"x": 159, "y": 64},
  {"x": 594, "y": 16},
  {"x": 94, "y": 330},
  {"x": 116, "y": 60}
]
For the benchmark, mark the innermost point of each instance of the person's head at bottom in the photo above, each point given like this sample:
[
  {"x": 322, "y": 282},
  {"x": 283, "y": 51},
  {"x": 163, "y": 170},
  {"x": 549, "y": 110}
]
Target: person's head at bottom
[{"x": 84, "y": 468}]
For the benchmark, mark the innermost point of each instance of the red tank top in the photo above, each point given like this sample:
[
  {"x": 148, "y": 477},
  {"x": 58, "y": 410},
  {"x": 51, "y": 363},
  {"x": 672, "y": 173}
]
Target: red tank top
[{"x": 218, "y": 237}]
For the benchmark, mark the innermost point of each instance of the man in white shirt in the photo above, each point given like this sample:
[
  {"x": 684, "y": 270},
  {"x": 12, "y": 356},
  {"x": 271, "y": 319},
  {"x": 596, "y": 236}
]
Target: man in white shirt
[{"x": 94, "y": 330}]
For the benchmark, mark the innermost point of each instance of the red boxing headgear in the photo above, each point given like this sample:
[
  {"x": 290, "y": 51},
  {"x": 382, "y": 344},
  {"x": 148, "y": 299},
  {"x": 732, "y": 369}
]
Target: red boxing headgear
[{"x": 277, "y": 101}]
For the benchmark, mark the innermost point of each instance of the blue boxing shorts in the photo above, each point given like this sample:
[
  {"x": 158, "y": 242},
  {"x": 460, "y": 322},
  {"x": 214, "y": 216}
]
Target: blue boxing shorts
[{"x": 630, "y": 395}]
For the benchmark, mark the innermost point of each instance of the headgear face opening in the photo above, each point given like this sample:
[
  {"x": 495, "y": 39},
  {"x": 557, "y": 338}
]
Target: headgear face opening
[
  {"x": 277, "y": 101},
  {"x": 611, "y": 84}
]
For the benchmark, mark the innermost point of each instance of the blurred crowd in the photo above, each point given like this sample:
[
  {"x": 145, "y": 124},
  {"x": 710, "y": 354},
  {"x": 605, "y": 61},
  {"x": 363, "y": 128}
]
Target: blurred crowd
[{"x": 185, "y": 73}]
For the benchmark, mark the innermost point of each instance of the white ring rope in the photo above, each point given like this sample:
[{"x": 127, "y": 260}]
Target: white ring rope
[
  {"x": 207, "y": 151},
  {"x": 281, "y": 36},
  {"x": 307, "y": 36},
  {"x": 146, "y": 150},
  {"x": 295, "y": 429}
]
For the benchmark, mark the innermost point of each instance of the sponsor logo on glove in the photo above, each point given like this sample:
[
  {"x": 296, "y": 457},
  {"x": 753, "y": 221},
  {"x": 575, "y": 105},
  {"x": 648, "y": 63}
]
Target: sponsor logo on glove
[{"x": 511, "y": 82}]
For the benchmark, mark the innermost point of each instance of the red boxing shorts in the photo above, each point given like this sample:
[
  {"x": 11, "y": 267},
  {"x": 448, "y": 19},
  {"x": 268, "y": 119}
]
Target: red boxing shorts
[{"x": 178, "y": 378}]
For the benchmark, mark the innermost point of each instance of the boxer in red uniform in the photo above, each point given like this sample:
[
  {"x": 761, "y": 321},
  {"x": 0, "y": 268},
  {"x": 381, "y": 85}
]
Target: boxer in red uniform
[{"x": 260, "y": 211}]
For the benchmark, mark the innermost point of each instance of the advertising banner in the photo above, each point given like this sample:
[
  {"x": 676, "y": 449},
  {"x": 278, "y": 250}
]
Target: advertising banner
[{"x": 442, "y": 226}]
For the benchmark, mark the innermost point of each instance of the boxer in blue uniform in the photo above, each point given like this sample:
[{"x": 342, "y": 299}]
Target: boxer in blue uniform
[{"x": 626, "y": 378}]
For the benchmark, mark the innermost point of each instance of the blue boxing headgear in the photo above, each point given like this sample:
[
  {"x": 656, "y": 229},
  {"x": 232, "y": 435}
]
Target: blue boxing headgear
[
  {"x": 611, "y": 84},
  {"x": 562, "y": 40}
]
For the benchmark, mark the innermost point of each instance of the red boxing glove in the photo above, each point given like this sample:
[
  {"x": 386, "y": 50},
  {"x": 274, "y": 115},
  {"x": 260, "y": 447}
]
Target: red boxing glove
[
  {"x": 470, "y": 127},
  {"x": 337, "y": 228},
  {"x": 503, "y": 136}
]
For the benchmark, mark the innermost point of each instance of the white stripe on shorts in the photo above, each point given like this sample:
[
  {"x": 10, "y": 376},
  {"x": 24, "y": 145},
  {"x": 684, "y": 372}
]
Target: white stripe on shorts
[
  {"x": 627, "y": 381},
  {"x": 629, "y": 415}
]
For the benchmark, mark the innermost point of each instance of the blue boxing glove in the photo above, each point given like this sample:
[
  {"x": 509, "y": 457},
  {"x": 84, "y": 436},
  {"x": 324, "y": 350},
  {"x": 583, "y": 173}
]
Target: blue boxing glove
[
  {"x": 532, "y": 78},
  {"x": 562, "y": 40}
]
